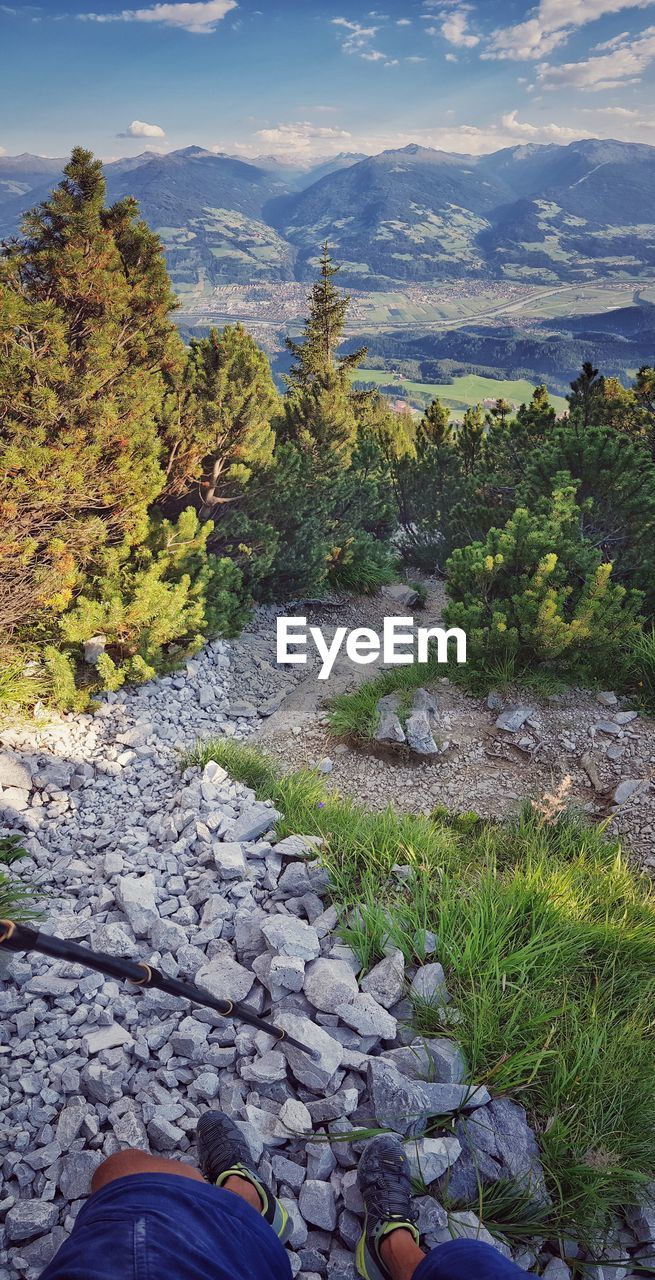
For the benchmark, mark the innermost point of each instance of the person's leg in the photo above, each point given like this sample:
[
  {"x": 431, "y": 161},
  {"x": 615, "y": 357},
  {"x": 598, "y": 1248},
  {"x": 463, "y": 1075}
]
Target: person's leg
[
  {"x": 124, "y": 1163},
  {"x": 401, "y": 1255}
]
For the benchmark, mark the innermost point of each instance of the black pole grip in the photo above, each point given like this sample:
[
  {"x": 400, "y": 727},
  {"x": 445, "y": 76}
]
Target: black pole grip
[{"x": 18, "y": 937}]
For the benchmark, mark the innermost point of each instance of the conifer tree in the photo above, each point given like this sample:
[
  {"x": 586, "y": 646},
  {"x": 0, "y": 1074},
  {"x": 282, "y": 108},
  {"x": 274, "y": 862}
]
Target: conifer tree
[
  {"x": 316, "y": 355},
  {"x": 435, "y": 427},
  {"x": 84, "y": 336},
  {"x": 586, "y": 391},
  {"x": 470, "y": 437},
  {"x": 218, "y": 421}
]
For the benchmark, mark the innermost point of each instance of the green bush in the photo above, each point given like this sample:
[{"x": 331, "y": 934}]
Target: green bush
[
  {"x": 537, "y": 591},
  {"x": 363, "y": 564},
  {"x": 154, "y": 605}
]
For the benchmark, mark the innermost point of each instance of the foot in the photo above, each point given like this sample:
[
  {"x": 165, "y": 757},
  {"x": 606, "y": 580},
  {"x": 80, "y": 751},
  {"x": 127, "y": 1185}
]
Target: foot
[
  {"x": 224, "y": 1153},
  {"x": 384, "y": 1181}
]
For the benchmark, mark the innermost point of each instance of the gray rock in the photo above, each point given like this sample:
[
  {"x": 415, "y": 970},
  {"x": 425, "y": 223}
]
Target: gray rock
[
  {"x": 289, "y": 936},
  {"x": 115, "y": 940},
  {"x": 420, "y": 722},
  {"x": 230, "y": 860},
  {"x": 315, "y": 1072},
  {"x": 225, "y": 978},
  {"x": 94, "y": 649},
  {"x": 294, "y": 1118},
  {"x": 429, "y": 985},
  {"x": 625, "y": 717},
  {"x": 328, "y": 984},
  {"x": 13, "y": 772},
  {"x": 606, "y": 698},
  {"x": 288, "y": 1171},
  {"x": 497, "y": 1143},
  {"x": 298, "y": 1235},
  {"x": 641, "y": 1218},
  {"x": 429, "y": 1158},
  {"x": 163, "y": 1135},
  {"x": 15, "y": 799},
  {"x": 268, "y": 1068},
  {"x": 626, "y": 788},
  {"x": 405, "y": 1105},
  {"x": 317, "y": 1204},
  {"x": 106, "y": 1038},
  {"x": 389, "y": 728},
  {"x": 69, "y": 1123},
  {"x": 29, "y": 1218},
  {"x": 367, "y": 1017},
  {"x": 556, "y": 1269},
  {"x": 448, "y": 1062},
  {"x": 514, "y": 718},
  {"x": 102, "y": 1084},
  {"x": 136, "y": 897},
  {"x": 386, "y": 980},
  {"x": 432, "y": 1219},
  {"x": 76, "y": 1173},
  {"x": 608, "y": 727},
  {"x": 401, "y": 594},
  {"x": 252, "y": 824}
]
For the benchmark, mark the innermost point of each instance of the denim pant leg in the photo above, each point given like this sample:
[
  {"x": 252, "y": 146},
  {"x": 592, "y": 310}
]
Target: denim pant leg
[{"x": 467, "y": 1260}]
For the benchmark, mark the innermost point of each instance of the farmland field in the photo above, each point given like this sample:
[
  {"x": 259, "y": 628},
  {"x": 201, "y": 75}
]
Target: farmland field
[{"x": 463, "y": 391}]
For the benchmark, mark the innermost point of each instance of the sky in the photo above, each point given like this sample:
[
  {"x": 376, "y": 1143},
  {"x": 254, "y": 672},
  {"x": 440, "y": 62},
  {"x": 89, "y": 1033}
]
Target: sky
[{"x": 302, "y": 79}]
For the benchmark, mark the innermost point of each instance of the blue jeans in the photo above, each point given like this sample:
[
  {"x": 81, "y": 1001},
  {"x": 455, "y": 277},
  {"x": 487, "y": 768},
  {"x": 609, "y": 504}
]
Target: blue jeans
[
  {"x": 467, "y": 1260},
  {"x": 158, "y": 1226}
]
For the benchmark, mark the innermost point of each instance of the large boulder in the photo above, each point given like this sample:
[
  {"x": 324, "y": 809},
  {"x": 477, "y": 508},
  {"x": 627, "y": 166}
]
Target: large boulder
[{"x": 497, "y": 1143}]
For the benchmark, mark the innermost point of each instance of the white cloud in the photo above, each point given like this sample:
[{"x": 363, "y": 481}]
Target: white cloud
[
  {"x": 623, "y": 65},
  {"x": 451, "y": 57},
  {"x": 551, "y": 24},
  {"x": 3, "y": 151},
  {"x": 525, "y": 132},
  {"x": 139, "y": 129},
  {"x": 302, "y": 137},
  {"x": 415, "y": 57},
  {"x": 455, "y": 28},
  {"x": 404, "y": 22},
  {"x": 358, "y": 38},
  {"x": 200, "y": 17}
]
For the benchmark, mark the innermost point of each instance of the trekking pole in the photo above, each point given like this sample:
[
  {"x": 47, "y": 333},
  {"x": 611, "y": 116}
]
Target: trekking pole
[{"x": 18, "y": 937}]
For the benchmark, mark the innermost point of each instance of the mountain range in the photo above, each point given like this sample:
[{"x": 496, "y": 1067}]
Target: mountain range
[{"x": 533, "y": 214}]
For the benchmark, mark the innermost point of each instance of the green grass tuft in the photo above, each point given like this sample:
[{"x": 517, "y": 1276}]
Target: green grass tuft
[{"x": 16, "y": 899}]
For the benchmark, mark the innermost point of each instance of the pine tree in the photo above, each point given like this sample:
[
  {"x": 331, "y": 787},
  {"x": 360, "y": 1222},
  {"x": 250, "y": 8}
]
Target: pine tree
[
  {"x": 470, "y": 437},
  {"x": 586, "y": 392},
  {"x": 218, "y": 421},
  {"x": 84, "y": 336},
  {"x": 316, "y": 355},
  {"x": 435, "y": 427}
]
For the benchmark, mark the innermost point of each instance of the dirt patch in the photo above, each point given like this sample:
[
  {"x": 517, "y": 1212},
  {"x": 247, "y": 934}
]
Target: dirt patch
[{"x": 484, "y": 768}]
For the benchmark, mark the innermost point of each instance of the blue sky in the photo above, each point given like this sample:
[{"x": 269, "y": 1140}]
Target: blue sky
[{"x": 305, "y": 79}]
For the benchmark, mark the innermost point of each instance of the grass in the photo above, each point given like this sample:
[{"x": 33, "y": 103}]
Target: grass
[
  {"x": 21, "y": 684},
  {"x": 642, "y": 668},
  {"x": 547, "y": 937},
  {"x": 465, "y": 390},
  {"x": 353, "y": 716},
  {"x": 16, "y": 899}
]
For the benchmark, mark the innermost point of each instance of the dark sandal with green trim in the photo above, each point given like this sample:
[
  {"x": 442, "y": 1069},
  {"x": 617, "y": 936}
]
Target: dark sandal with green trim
[
  {"x": 384, "y": 1181},
  {"x": 223, "y": 1153}
]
